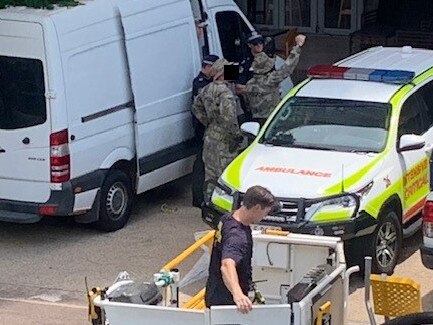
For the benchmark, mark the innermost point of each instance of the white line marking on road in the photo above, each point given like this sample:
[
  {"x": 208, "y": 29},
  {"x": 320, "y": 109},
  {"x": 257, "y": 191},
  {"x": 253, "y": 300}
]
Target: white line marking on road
[
  {"x": 46, "y": 297},
  {"x": 43, "y": 303}
]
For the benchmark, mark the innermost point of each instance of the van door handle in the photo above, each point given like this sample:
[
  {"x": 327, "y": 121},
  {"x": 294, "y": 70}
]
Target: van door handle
[{"x": 2, "y": 151}]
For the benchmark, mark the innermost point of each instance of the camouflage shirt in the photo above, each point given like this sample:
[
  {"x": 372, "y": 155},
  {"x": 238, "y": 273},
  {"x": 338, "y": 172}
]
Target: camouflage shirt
[
  {"x": 262, "y": 91},
  {"x": 216, "y": 108}
]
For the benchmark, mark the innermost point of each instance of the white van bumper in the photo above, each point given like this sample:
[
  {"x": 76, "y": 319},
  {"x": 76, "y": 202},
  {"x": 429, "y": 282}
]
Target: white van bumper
[
  {"x": 60, "y": 203},
  {"x": 29, "y": 212}
]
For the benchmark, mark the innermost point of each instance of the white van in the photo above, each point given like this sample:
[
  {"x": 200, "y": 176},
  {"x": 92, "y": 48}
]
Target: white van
[{"x": 95, "y": 102}]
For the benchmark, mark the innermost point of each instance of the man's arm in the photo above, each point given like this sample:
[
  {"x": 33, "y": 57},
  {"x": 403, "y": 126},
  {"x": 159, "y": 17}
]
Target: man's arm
[
  {"x": 198, "y": 109},
  {"x": 231, "y": 281},
  {"x": 290, "y": 64},
  {"x": 228, "y": 110},
  {"x": 277, "y": 76},
  {"x": 195, "y": 88}
]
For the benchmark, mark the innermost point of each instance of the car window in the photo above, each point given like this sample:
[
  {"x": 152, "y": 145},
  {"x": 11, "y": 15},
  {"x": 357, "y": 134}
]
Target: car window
[
  {"x": 233, "y": 32},
  {"x": 22, "y": 93},
  {"x": 330, "y": 124},
  {"x": 426, "y": 93},
  {"x": 414, "y": 116}
]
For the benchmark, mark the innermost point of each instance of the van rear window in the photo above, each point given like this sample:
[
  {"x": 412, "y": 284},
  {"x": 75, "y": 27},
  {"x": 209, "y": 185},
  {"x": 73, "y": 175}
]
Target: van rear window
[{"x": 22, "y": 93}]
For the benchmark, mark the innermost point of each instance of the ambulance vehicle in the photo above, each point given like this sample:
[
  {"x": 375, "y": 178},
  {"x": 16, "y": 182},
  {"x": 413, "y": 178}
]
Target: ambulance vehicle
[{"x": 347, "y": 151}]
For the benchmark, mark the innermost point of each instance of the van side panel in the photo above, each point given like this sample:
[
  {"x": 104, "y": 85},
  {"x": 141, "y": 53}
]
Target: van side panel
[
  {"x": 163, "y": 57},
  {"x": 98, "y": 94}
]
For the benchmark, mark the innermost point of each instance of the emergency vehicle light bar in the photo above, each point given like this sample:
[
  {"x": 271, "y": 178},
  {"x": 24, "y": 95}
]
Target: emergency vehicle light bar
[{"x": 337, "y": 72}]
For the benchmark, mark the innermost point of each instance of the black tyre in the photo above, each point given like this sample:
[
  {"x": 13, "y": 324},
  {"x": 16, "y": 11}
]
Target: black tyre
[
  {"x": 386, "y": 242},
  {"x": 115, "y": 202}
]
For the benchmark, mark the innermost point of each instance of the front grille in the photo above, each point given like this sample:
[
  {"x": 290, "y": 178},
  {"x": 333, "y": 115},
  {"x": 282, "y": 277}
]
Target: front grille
[
  {"x": 293, "y": 210},
  {"x": 290, "y": 211}
]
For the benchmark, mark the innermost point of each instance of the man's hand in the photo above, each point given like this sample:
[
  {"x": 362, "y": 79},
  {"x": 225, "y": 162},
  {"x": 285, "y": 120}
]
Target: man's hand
[
  {"x": 240, "y": 89},
  {"x": 300, "y": 40},
  {"x": 231, "y": 281},
  {"x": 243, "y": 303}
]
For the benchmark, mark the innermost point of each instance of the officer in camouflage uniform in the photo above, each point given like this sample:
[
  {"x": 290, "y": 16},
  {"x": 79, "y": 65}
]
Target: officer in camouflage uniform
[
  {"x": 262, "y": 91},
  {"x": 205, "y": 76},
  {"x": 216, "y": 107},
  {"x": 203, "y": 79},
  {"x": 255, "y": 43}
]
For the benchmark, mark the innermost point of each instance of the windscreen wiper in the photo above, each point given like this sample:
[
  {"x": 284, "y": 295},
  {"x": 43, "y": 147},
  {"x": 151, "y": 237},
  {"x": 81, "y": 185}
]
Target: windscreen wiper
[
  {"x": 302, "y": 146},
  {"x": 362, "y": 151}
]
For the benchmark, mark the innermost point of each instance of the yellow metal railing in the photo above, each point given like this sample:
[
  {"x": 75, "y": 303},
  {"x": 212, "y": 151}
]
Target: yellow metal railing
[
  {"x": 187, "y": 252},
  {"x": 194, "y": 300},
  {"x": 324, "y": 312},
  {"x": 197, "y": 301},
  {"x": 276, "y": 232}
]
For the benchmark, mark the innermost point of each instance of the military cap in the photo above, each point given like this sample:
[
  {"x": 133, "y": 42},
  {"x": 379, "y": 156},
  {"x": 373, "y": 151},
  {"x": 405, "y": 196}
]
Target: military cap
[
  {"x": 218, "y": 67},
  {"x": 210, "y": 59},
  {"x": 255, "y": 38},
  {"x": 262, "y": 63}
]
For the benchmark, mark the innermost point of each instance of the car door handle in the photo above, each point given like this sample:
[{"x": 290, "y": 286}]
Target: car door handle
[{"x": 2, "y": 151}]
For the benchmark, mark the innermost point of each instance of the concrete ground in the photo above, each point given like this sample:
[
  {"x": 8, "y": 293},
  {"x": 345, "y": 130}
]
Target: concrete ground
[{"x": 43, "y": 265}]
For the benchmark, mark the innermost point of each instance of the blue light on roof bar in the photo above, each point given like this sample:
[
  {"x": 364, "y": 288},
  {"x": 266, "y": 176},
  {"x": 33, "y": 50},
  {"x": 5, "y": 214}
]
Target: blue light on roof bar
[
  {"x": 379, "y": 75},
  {"x": 398, "y": 76}
]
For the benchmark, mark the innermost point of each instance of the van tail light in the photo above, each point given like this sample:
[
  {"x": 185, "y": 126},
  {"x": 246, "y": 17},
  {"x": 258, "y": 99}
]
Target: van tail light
[
  {"x": 60, "y": 162},
  {"x": 428, "y": 219},
  {"x": 48, "y": 210}
]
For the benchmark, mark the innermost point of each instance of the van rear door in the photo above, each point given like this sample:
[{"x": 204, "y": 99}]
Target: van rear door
[
  {"x": 163, "y": 58},
  {"x": 24, "y": 118}
]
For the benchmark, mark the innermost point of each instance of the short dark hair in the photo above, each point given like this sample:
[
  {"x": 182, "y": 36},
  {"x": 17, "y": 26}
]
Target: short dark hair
[{"x": 259, "y": 195}]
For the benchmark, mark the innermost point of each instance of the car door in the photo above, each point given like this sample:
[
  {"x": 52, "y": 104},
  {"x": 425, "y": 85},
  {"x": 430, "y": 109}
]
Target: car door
[
  {"x": 426, "y": 93},
  {"x": 163, "y": 59},
  {"x": 229, "y": 32},
  {"x": 25, "y": 124},
  {"x": 414, "y": 119}
]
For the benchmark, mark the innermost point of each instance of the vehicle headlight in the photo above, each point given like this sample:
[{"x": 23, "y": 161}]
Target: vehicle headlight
[
  {"x": 334, "y": 209},
  {"x": 222, "y": 197}
]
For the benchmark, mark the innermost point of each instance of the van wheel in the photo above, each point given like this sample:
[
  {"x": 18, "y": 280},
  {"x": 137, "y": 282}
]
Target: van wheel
[
  {"x": 386, "y": 243},
  {"x": 116, "y": 201}
]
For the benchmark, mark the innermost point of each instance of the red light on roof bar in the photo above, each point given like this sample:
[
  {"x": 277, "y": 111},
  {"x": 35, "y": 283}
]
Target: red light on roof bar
[{"x": 327, "y": 71}]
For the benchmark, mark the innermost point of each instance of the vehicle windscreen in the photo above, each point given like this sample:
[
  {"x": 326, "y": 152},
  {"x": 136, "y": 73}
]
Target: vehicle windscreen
[
  {"x": 330, "y": 124},
  {"x": 22, "y": 93}
]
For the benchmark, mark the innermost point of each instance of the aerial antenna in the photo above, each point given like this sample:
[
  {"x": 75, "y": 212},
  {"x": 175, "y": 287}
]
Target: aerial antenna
[{"x": 342, "y": 178}]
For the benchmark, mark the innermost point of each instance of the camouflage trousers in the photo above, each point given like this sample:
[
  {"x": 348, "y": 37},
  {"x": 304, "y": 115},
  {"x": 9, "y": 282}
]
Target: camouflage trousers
[{"x": 217, "y": 155}]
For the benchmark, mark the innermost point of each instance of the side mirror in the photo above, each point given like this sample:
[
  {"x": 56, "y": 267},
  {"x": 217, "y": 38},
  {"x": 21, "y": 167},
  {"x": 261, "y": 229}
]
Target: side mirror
[
  {"x": 250, "y": 128},
  {"x": 410, "y": 142}
]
